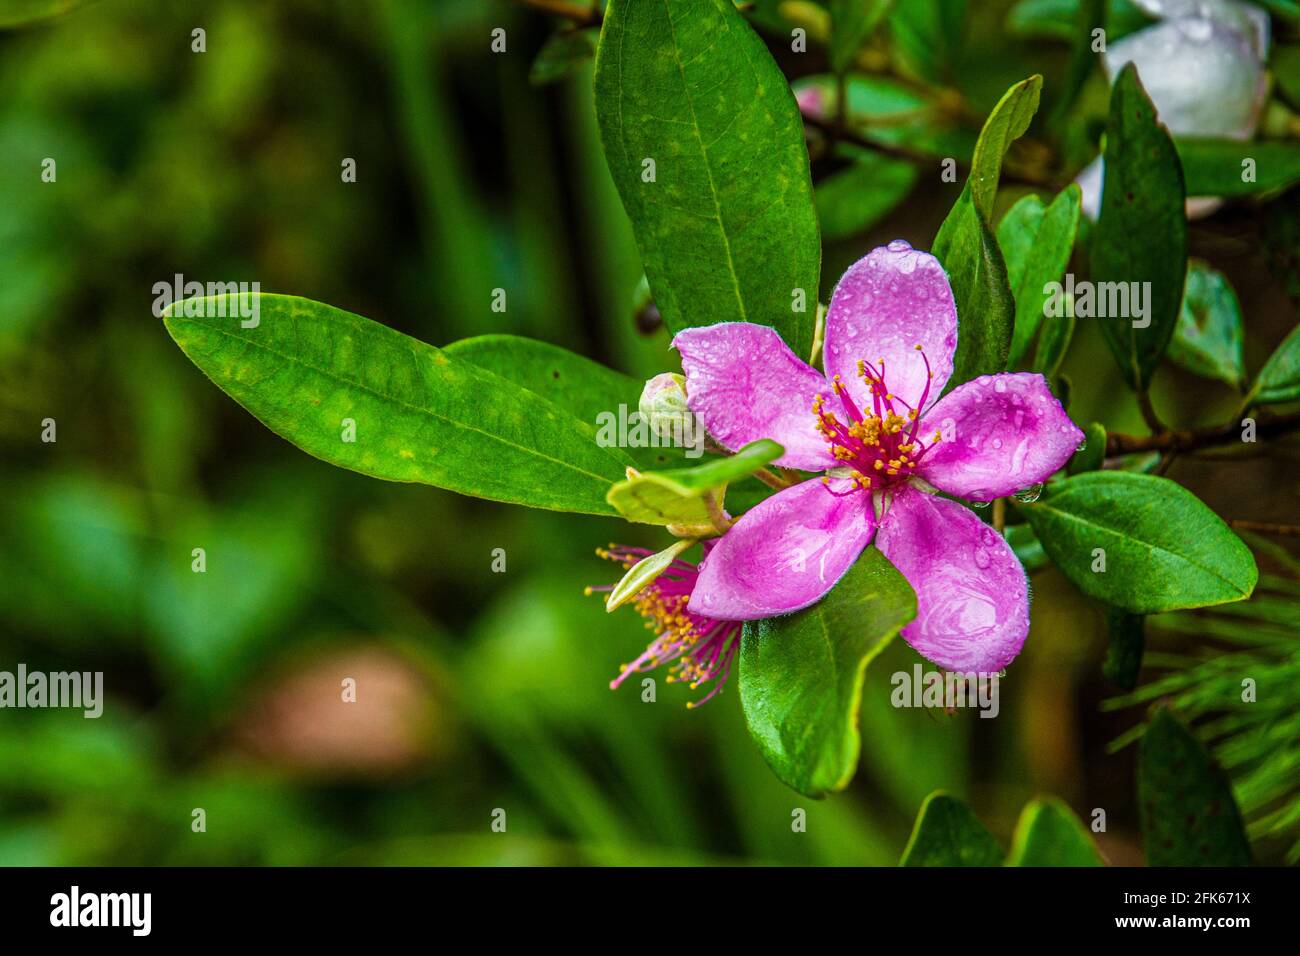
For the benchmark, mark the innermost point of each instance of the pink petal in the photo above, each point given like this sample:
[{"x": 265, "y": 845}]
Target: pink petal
[
  {"x": 971, "y": 592},
  {"x": 744, "y": 383},
  {"x": 784, "y": 553},
  {"x": 885, "y": 305},
  {"x": 1000, "y": 434}
]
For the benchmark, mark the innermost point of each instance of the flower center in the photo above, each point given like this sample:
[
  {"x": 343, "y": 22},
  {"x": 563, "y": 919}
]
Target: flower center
[{"x": 879, "y": 446}]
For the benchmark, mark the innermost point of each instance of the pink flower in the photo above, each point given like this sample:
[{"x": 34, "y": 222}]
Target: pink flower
[
  {"x": 699, "y": 648},
  {"x": 873, "y": 425}
]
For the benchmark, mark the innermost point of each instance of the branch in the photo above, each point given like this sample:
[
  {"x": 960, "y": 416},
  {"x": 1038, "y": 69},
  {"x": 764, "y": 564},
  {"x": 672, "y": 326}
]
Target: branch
[
  {"x": 582, "y": 14},
  {"x": 1190, "y": 439},
  {"x": 1267, "y": 527}
]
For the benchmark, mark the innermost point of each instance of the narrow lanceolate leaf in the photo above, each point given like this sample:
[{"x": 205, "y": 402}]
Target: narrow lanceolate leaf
[
  {"x": 365, "y": 397},
  {"x": 1207, "y": 340},
  {"x": 1036, "y": 242},
  {"x": 1189, "y": 817},
  {"x": 1279, "y": 379},
  {"x": 801, "y": 676},
  {"x": 969, "y": 250},
  {"x": 852, "y": 21},
  {"x": 1141, "y": 543},
  {"x": 1224, "y": 167},
  {"x": 947, "y": 833},
  {"x": 595, "y": 393},
  {"x": 706, "y": 146},
  {"x": 685, "y": 496},
  {"x": 1141, "y": 236},
  {"x": 643, "y": 572},
  {"x": 1049, "y": 834}
]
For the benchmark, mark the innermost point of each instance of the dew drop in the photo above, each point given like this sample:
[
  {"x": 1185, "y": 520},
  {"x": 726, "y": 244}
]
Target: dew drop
[
  {"x": 1082, "y": 446},
  {"x": 979, "y": 504},
  {"x": 1030, "y": 495},
  {"x": 1000, "y": 385},
  {"x": 982, "y": 559}
]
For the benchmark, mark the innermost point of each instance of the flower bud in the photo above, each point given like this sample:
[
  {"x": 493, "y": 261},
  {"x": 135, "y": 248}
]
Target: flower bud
[{"x": 663, "y": 406}]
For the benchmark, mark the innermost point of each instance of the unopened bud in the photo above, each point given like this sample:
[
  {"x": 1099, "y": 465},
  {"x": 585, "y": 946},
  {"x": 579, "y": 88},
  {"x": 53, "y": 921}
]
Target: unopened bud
[{"x": 663, "y": 405}]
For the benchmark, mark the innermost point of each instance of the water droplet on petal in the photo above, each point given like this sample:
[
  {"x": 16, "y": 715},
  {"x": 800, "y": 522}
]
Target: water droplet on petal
[
  {"x": 1030, "y": 494},
  {"x": 1000, "y": 384},
  {"x": 898, "y": 245},
  {"x": 1082, "y": 446},
  {"x": 979, "y": 504},
  {"x": 982, "y": 559}
]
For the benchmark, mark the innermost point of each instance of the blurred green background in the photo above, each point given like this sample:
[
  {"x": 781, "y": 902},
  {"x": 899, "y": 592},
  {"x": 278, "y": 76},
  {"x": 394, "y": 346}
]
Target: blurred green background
[{"x": 476, "y": 690}]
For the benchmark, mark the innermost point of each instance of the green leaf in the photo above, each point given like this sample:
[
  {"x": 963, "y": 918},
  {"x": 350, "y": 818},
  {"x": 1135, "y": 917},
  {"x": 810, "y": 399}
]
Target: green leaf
[
  {"x": 1207, "y": 340},
  {"x": 1141, "y": 235},
  {"x": 801, "y": 675},
  {"x": 1225, "y": 167},
  {"x": 1029, "y": 550},
  {"x": 1127, "y": 644},
  {"x": 1163, "y": 549},
  {"x": 1092, "y": 453},
  {"x": 927, "y": 36},
  {"x": 419, "y": 415},
  {"x": 1089, "y": 17},
  {"x": 18, "y": 13},
  {"x": 985, "y": 306},
  {"x": 947, "y": 833},
  {"x": 852, "y": 200},
  {"x": 1059, "y": 19},
  {"x": 1049, "y": 834},
  {"x": 1279, "y": 379},
  {"x": 586, "y": 389},
  {"x": 727, "y": 228},
  {"x": 1036, "y": 242},
  {"x": 852, "y": 22},
  {"x": 969, "y": 251},
  {"x": 1189, "y": 817},
  {"x": 1053, "y": 344},
  {"x": 561, "y": 55},
  {"x": 681, "y": 495},
  {"x": 644, "y": 572},
  {"x": 1007, "y": 123}
]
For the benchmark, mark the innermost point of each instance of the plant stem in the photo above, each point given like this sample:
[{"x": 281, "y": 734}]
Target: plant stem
[
  {"x": 1268, "y": 527},
  {"x": 1190, "y": 439},
  {"x": 999, "y": 514}
]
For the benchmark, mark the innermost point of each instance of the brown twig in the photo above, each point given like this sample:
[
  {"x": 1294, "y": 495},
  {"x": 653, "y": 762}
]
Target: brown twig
[
  {"x": 1190, "y": 439},
  {"x": 1267, "y": 527}
]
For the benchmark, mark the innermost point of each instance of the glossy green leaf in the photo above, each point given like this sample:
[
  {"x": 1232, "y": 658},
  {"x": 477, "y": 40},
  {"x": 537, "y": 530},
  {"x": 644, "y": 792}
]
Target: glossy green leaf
[
  {"x": 1141, "y": 235},
  {"x": 1207, "y": 340},
  {"x": 586, "y": 389},
  {"x": 801, "y": 675},
  {"x": 852, "y": 200},
  {"x": 643, "y": 573},
  {"x": 969, "y": 250},
  {"x": 985, "y": 306},
  {"x": 706, "y": 146},
  {"x": 419, "y": 415},
  {"x": 561, "y": 55},
  {"x": 1161, "y": 548},
  {"x": 1036, "y": 242},
  {"x": 1279, "y": 379},
  {"x": 1049, "y": 834},
  {"x": 1127, "y": 644},
  {"x": 947, "y": 833},
  {"x": 1225, "y": 167},
  {"x": 1189, "y": 816},
  {"x": 679, "y": 495}
]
